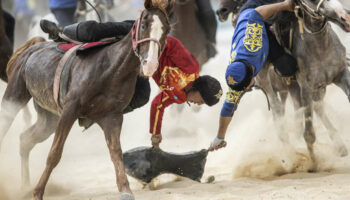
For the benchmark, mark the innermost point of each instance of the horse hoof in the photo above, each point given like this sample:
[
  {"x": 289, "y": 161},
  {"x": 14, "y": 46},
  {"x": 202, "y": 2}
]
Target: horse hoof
[{"x": 127, "y": 196}]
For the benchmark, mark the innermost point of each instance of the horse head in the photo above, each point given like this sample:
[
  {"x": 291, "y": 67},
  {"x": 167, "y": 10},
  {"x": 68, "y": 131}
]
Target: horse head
[
  {"x": 229, "y": 6},
  {"x": 150, "y": 32},
  {"x": 332, "y": 10}
]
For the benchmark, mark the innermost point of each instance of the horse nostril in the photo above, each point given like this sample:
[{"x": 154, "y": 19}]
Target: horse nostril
[{"x": 222, "y": 11}]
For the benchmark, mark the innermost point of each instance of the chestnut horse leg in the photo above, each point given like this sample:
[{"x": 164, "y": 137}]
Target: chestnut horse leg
[
  {"x": 65, "y": 123},
  {"x": 40, "y": 131},
  {"x": 111, "y": 126}
]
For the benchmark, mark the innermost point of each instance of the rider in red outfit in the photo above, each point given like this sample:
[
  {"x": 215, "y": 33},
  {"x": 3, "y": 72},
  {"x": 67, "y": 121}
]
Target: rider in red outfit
[{"x": 177, "y": 71}]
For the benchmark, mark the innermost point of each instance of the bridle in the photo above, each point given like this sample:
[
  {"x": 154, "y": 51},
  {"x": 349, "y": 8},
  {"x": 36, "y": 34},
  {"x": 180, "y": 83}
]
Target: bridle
[
  {"x": 315, "y": 14},
  {"x": 135, "y": 37},
  {"x": 311, "y": 11}
]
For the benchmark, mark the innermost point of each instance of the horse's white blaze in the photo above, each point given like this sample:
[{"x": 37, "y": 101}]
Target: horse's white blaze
[{"x": 152, "y": 59}]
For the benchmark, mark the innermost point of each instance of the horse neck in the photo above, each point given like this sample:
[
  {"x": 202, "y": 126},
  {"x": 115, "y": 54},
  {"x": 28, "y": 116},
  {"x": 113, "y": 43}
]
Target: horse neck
[
  {"x": 121, "y": 54},
  {"x": 314, "y": 24}
]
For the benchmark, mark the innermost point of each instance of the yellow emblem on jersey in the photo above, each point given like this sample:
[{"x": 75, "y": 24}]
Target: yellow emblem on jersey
[
  {"x": 219, "y": 94},
  {"x": 253, "y": 37},
  {"x": 230, "y": 80},
  {"x": 233, "y": 96},
  {"x": 233, "y": 54}
]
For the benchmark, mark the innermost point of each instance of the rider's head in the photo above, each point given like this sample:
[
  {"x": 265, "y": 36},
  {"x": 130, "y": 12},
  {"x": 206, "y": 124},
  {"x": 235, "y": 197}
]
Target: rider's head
[
  {"x": 239, "y": 75},
  {"x": 205, "y": 89}
]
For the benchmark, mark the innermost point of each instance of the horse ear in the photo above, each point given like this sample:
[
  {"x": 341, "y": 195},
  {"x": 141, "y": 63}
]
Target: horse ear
[
  {"x": 170, "y": 7},
  {"x": 148, "y": 4}
]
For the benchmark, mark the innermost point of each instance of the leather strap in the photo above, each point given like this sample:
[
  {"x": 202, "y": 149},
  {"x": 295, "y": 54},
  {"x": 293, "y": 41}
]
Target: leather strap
[{"x": 56, "y": 83}]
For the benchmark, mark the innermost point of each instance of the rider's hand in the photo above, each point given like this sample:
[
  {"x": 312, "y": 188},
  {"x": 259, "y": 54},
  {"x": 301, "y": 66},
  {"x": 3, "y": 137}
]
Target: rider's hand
[
  {"x": 217, "y": 143},
  {"x": 290, "y": 5},
  {"x": 156, "y": 140}
]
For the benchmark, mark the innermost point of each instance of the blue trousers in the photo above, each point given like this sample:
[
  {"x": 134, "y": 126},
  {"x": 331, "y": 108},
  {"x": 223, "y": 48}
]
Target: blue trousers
[{"x": 64, "y": 16}]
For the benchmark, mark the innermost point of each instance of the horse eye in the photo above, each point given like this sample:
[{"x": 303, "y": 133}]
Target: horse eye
[{"x": 143, "y": 27}]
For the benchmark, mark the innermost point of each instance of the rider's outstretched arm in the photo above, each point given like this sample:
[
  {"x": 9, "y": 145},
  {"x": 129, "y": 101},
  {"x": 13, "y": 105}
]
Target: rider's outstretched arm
[{"x": 267, "y": 11}]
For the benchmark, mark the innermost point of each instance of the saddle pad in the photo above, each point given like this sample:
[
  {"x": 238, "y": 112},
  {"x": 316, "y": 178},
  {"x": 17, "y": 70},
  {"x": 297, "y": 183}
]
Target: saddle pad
[{"x": 64, "y": 47}]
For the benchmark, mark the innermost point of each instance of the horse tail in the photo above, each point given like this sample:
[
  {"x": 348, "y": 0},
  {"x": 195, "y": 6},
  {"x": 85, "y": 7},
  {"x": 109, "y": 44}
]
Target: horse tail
[{"x": 20, "y": 51}]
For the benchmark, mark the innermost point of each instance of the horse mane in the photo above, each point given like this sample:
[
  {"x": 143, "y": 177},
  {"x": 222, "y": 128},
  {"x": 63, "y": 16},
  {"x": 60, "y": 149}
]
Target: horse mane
[
  {"x": 163, "y": 5},
  {"x": 19, "y": 52},
  {"x": 160, "y": 4}
]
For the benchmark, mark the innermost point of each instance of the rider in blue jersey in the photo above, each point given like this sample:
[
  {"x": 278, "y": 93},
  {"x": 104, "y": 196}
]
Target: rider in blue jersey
[
  {"x": 249, "y": 51},
  {"x": 63, "y": 10}
]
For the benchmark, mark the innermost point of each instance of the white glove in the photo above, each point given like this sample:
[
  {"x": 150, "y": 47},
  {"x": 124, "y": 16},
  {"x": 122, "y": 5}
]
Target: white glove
[{"x": 217, "y": 143}]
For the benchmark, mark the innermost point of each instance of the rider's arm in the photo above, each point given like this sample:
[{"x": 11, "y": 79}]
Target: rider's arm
[
  {"x": 159, "y": 103},
  {"x": 232, "y": 100},
  {"x": 267, "y": 11}
]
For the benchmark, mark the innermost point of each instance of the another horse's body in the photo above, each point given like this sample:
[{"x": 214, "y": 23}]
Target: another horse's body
[
  {"x": 6, "y": 48},
  {"x": 186, "y": 27},
  {"x": 100, "y": 87},
  {"x": 321, "y": 59}
]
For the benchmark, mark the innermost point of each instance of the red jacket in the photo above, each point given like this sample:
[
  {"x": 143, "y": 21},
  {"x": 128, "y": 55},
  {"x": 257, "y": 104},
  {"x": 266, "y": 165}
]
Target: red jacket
[{"x": 177, "y": 69}]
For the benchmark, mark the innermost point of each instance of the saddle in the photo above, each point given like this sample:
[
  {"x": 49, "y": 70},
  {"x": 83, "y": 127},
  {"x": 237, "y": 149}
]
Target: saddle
[
  {"x": 64, "y": 47},
  {"x": 70, "y": 50},
  {"x": 146, "y": 163}
]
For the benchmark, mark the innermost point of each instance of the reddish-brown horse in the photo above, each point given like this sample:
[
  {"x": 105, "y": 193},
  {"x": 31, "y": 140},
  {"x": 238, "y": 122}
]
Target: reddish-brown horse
[{"x": 99, "y": 89}]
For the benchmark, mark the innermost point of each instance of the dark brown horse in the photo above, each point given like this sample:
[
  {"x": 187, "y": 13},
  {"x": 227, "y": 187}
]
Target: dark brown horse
[
  {"x": 100, "y": 88},
  {"x": 6, "y": 48},
  {"x": 186, "y": 27}
]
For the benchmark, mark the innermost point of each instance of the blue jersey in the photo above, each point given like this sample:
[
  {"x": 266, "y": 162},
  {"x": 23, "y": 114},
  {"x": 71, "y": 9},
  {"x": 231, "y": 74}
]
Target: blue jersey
[
  {"x": 249, "y": 43},
  {"x": 62, "y": 3}
]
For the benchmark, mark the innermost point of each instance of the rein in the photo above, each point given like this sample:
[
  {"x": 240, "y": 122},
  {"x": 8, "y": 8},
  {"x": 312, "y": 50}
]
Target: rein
[
  {"x": 315, "y": 14},
  {"x": 93, "y": 8},
  {"x": 136, "y": 41}
]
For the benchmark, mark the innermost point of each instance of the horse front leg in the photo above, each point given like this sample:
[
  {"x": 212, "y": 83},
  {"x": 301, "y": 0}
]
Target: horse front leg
[
  {"x": 66, "y": 121},
  {"x": 343, "y": 81},
  {"x": 309, "y": 132},
  {"x": 111, "y": 126},
  {"x": 333, "y": 133}
]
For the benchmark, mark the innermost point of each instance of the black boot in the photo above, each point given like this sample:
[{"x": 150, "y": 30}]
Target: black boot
[{"x": 52, "y": 29}]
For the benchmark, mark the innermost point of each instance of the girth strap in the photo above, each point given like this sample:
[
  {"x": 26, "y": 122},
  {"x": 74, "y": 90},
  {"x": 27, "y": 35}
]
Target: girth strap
[{"x": 66, "y": 60}]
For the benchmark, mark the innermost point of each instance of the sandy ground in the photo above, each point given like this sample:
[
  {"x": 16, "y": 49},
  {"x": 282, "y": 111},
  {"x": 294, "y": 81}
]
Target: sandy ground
[{"x": 246, "y": 169}]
